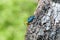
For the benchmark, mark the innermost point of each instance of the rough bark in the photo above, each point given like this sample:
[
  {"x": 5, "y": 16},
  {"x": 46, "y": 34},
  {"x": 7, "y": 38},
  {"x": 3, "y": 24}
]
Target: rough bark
[{"x": 46, "y": 24}]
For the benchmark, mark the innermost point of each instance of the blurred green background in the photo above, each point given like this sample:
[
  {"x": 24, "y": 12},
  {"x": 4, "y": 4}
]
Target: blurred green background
[{"x": 13, "y": 15}]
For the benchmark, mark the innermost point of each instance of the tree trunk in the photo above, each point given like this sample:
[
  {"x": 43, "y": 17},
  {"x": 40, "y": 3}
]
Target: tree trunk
[{"x": 46, "y": 22}]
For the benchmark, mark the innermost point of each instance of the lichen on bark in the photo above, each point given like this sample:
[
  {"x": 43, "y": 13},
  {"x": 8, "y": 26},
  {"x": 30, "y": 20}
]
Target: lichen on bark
[{"x": 46, "y": 24}]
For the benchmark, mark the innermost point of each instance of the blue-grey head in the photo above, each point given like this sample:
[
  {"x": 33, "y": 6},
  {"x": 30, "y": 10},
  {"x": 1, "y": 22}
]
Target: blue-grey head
[{"x": 30, "y": 19}]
